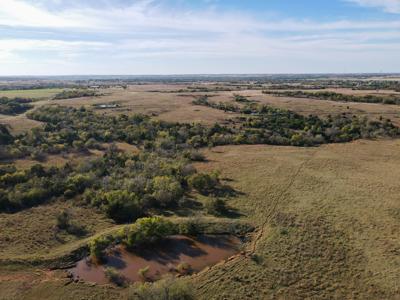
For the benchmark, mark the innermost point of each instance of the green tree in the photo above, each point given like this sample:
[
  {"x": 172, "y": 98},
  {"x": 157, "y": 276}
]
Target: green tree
[
  {"x": 97, "y": 247},
  {"x": 203, "y": 183},
  {"x": 121, "y": 206},
  {"x": 166, "y": 190},
  {"x": 168, "y": 288},
  {"x": 148, "y": 231},
  {"x": 215, "y": 206}
]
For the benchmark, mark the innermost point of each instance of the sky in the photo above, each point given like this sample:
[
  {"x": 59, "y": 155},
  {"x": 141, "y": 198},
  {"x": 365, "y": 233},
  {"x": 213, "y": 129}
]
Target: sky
[{"x": 149, "y": 37}]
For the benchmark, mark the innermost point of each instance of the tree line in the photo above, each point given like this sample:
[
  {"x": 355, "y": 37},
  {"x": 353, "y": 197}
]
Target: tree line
[
  {"x": 75, "y": 93},
  {"x": 332, "y": 96}
]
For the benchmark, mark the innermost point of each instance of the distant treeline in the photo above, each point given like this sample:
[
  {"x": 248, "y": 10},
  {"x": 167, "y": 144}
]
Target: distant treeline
[
  {"x": 36, "y": 86},
  {"x": 370, "y": 85},
  {"x": 14, "y": 106},
  {"x": 75, "y": 93},
  {"x": 296, "y": 87},
  {"x": 332, "y": 96}
]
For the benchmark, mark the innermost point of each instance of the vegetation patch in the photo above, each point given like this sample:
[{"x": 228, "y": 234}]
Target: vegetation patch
[
  {"x": 76, "y": 93},
  {"x": 14, "y": 106},
  {"x": 262, "y": 124},
  {"x": 332, "y": 96},
  {"x": 169, "y": 288}
]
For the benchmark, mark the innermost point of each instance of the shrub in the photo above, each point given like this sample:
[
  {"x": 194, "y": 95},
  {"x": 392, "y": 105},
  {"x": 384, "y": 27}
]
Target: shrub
[
  {"x": 13, "y": 178},
  {"x": 63, "y": 220},
  {"x": 183, "y": 268},
  {"x": 5, "y": 204},
  {"x": 190, "y": 228},
  {"x": 120, "y": 206},
  {"x": 215, "y": 206},
  {"x": 148, "y": 231},
  {"x": 167, "y": 190},
  {"x": 78, "y": 183},
  {"x": 168, "y": 288},
  {"x": 143, "y": 273},
  {"x": 195, "y": 155},
  {"x": 64, "y": 223},
  {"x": 114, "y": 276},
  {"x": 203, "y": 183},
  {"x": 5, "y": 135},
  {"x": 97, "y": 246}
]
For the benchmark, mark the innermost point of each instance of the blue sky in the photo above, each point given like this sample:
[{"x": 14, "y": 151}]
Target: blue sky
[{"x": 71, "y": 37}]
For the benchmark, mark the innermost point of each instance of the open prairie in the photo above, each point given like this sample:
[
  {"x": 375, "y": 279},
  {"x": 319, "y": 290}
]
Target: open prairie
[{"x": 327, "y": 217}]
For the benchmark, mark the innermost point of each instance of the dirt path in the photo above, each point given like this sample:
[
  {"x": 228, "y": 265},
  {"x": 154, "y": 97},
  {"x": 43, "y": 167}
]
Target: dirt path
[
  {"x": 276, "y": 202},
  {"x": 270, "y": 211}
]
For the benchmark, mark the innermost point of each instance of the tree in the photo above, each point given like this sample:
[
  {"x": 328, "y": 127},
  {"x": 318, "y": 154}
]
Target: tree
[
  {"x": 168, "y": 288},
  {"x": 148, "y": 231},
  {"x": 215, "y": 206},
  {"x": 121, "y": 206},
  {"x": 203, "y": 183},
  {"x": 114, "y": 276},
  {"x": 97, "y": 246},
  {"x": 166, "y": 190},
  {"x": 5, "y": 135},
  {"x": 63, "y": 220}
]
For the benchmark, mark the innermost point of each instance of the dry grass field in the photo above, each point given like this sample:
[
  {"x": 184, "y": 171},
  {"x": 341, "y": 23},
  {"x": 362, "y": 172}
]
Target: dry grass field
[
  {"x": 40, "y": 237},
  {"x": 327, "y": 218},
  {"x": 328, "y": 222},
  {"x": 35, "y": 94}
]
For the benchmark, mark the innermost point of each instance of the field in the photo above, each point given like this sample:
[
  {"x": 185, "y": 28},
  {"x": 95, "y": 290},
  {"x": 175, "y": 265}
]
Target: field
[
  {"x": 326, "y": 218},
  {"x": 34, "y": 94},
  {"x": 328, "y": 221}
]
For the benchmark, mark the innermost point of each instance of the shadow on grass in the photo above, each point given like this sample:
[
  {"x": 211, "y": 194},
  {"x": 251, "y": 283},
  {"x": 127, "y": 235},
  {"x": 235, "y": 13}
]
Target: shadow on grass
[
  {"x": 226, "y": 191},
  {"x": 231, "y": 213}
]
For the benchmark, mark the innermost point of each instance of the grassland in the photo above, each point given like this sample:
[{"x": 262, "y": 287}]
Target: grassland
[
  {"x": 35, "y": 93},
  {"x": 327, "y": 218},
  {"x": 40, "y": 236},
  {"x": 328, "y": 222}
]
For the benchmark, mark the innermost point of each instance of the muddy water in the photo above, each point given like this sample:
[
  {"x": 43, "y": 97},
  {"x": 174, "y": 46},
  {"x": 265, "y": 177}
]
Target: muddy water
[{"x": 161, "y": 259}]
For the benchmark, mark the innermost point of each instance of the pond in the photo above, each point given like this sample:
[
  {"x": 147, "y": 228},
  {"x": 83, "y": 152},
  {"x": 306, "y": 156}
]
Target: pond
[{"x": 162, "y": 258}]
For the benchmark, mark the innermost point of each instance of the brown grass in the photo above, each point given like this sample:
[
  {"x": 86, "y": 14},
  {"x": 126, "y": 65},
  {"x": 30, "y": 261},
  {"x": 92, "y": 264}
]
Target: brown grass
[
  {"x": 326, "y": 217},
  {"x": 33, "y": 232}
]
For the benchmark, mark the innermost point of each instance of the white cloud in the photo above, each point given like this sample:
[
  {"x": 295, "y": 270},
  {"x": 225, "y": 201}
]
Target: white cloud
[
  {"x": 83, "y": 38},
  {"x": 145, "y": 15},
  {"x": 391, "y": 6},
  {"x": 19, "y": 13}
]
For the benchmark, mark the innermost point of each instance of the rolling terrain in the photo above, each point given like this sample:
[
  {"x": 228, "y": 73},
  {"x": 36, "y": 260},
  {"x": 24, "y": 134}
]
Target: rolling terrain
[{"x": 325, "y": 218}]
